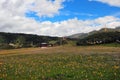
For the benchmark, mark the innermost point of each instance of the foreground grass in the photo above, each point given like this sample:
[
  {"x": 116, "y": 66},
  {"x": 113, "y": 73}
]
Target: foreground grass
[
  {"x": 112, "y": 45},
  {"x": 61, "y": 63}
]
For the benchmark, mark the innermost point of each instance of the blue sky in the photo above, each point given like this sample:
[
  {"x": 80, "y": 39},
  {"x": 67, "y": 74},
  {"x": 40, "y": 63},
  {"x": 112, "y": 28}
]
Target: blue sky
[
  {"x": 81, "y": 9},
  {"x": 58, "y": 17}
]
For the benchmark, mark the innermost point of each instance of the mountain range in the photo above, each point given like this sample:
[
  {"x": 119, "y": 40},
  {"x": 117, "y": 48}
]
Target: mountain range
[{"x": 83, "y": 35}]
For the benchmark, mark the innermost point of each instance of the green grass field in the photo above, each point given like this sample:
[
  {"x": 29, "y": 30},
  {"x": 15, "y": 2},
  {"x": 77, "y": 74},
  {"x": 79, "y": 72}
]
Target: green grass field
[{"x": 61, "y": 63}]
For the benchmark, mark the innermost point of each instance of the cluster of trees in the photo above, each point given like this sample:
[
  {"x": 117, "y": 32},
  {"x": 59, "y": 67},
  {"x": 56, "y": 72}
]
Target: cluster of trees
[
  {"x": 16, "y": 40},
  {"x": 100, "y": 38}
]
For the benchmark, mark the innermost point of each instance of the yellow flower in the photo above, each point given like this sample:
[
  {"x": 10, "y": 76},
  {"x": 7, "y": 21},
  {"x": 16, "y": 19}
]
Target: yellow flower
[{"x": 116, "y": 67}]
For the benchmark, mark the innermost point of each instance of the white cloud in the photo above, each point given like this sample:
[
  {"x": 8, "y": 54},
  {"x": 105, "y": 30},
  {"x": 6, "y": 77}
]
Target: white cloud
[
  {"x": 47, "y": 7},
  {"x": 19, "y": 7},
  {"x": 63, "y": 28},
  {"x": 110, "y": 2},
  {"x": 12, "y": 19}
]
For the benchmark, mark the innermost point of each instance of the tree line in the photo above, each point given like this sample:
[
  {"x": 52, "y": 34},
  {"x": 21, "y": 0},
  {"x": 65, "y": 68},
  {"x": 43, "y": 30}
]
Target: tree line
[
  {"x": 100, "y": 38},
  {"x": 16, "y": 40}
]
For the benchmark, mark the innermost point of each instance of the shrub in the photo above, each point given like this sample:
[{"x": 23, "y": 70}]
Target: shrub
[{"x": 6, "y": 46}]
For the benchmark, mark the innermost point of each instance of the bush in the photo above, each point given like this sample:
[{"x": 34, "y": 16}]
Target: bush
[{"x": 6, "y": 46}]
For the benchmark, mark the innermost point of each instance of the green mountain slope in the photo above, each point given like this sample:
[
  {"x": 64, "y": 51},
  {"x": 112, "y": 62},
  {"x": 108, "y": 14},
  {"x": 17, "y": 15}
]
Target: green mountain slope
[
  {"x": 100, "y": 38},
  {"x": 83, "y": 35}
]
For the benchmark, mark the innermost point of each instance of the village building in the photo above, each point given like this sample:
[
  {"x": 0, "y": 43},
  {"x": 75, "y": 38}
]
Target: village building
[{"x": 44, "y": 45}]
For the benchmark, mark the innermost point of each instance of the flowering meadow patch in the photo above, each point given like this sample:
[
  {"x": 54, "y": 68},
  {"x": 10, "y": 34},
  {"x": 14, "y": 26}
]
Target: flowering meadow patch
[{"x": 60, "y": 66}]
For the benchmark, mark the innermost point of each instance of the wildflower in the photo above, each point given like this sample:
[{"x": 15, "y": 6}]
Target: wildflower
[{"x": 116, "y": 67}]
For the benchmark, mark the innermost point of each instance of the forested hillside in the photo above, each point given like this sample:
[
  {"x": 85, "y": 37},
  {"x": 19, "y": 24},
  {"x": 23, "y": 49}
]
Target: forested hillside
[
  {"x": 100, "y": 38},
  {"x": 9, "y": 40}
]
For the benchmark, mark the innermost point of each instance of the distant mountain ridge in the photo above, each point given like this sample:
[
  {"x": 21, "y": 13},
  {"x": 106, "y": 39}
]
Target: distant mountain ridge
[
  {"x": 79, "y": 35},
  {"x": 83, "y": 35}
]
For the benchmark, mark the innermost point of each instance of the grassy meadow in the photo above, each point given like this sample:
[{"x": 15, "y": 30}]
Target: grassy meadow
[{"x": 61, "y": 63}]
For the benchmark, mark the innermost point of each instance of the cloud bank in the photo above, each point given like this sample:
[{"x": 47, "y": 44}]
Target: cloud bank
[
  {"x": 12, "y": 19},
  {"x": 20, "y": 7},
  {"x": 63, "y": 28}
]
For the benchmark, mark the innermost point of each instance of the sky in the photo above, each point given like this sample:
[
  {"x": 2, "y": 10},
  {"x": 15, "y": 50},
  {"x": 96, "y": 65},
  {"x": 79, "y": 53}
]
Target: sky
[{"x": 58, "y": 17}]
